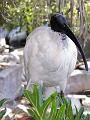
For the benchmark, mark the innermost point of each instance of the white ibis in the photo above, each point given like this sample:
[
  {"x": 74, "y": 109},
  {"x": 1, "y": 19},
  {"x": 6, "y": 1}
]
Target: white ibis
[{"x": 50, "y": 53}]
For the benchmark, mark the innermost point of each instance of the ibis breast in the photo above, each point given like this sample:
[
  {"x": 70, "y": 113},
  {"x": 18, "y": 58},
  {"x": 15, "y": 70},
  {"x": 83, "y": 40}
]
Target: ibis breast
[{"x": 49, "y": 58}]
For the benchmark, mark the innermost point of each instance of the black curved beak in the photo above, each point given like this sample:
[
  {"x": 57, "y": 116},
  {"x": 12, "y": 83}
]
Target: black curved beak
[{"x": 70, "y": 34}]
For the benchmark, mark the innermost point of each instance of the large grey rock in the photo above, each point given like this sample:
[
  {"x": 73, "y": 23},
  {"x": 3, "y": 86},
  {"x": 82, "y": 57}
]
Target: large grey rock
[
  {"x": 16, "y": 38},
  {"x": 10, "y": 82},
  {"x": 79, "y": 81}
]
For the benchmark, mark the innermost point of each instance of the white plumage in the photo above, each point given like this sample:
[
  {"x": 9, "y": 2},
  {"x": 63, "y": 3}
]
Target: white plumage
[{"x": 50, "y": 57}]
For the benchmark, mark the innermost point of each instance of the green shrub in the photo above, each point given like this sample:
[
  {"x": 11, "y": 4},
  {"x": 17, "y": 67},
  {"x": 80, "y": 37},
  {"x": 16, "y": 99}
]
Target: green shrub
[{"x": 63, "y": 112}]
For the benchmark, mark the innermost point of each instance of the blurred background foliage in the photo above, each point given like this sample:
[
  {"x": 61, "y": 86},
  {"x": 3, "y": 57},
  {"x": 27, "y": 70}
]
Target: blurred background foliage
[{"x": 30, "y": 14}]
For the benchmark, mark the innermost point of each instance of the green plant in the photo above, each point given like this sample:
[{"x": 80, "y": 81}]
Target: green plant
[
  {"x": 2, "y": 112},
  {"x": 39, "y": 109}
]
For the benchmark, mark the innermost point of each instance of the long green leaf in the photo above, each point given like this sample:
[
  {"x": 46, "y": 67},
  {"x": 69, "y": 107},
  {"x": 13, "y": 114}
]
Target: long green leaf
[
  {"x": 2, "y": 113},
  {"x": 77, "y": 114},
  {"x": 61, "y": 112},
  {"x": 69, "y": 111},
  {"x": 53, "y": 110},
  {"x": 81, "y": 112},
  {"x": 30, "y": 98},
  {"x": 67, "y": 118},
  {"x": 47, "y": 103},
  {"x": 2, "y": 102},
  {"x": 36, "y": 96},
  {"x": 33, "y": 113}
]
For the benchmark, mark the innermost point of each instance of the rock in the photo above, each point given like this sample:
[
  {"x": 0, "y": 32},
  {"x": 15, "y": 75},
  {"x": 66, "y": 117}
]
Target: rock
[
  {"x": 79, "y": 81},
  {"x": 2, "y": 42},
  {"x": 10, "y": 82},
  {"x": 18, "y": 53},
  {"x": 1, "y": 49},
  {"x": 16, "y": 38},
  {"x": 3, "y": 32},
  {"x": 9, "y": 58},
  {"x": 82, "y": 67},
  {"x": 3, "y": 46},
  {"x": 75, "y": 104}
]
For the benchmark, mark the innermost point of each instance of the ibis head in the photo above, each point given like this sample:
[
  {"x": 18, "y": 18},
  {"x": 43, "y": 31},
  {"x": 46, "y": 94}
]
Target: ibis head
[{"x": 59, "y": 24}]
